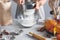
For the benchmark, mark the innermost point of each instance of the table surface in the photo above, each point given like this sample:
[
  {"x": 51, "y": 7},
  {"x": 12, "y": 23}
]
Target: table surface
[
  {"x": 33, "y": 29},
  {"x": 23, "y": 35}
]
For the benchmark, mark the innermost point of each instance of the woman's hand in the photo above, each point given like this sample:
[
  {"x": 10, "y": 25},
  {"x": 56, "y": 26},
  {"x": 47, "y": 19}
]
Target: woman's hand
[
  {"x": 19, "y": 1},
  {"x": 22, "y": 2},
  {"x": 37, "y": 4},
  {"x": 40, "y": 3},
  {"x": 52, "y": 4}
]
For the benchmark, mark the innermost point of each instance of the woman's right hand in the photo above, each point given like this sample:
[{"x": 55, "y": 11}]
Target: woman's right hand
[{"x": 19, "y": 1}]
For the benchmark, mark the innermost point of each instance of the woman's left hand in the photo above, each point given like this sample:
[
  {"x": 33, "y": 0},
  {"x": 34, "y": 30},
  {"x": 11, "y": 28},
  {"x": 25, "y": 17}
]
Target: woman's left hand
[
  {"x": 37, "y": 5},
  {"x": 40, "y": 3}
]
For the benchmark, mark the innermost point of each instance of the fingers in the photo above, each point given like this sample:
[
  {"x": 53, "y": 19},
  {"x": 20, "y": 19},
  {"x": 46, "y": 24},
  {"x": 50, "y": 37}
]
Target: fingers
[
  {"x": 37, "y": 4},
  {"x": 21, "y": 1}
]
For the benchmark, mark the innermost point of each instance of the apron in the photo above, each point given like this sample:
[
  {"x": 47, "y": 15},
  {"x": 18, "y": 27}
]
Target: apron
[{"x": 5, "y": 13}]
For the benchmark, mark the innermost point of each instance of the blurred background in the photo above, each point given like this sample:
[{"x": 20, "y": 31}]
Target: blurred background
[{"x": 46, "y": 9}]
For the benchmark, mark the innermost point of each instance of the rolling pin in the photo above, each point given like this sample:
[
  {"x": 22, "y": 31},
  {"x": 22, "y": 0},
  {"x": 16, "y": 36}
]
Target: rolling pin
[{"x": 36, "y": 36}]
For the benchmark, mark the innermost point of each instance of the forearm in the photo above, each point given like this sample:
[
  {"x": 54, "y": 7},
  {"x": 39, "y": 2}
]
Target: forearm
[{"x": 51, "y": 4}]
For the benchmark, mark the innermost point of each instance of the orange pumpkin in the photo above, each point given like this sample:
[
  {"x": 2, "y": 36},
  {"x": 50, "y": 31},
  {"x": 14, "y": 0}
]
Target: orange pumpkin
[{"x": 50, "y": 24}]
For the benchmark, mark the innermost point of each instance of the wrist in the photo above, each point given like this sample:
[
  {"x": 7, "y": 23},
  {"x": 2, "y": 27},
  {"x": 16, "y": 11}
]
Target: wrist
[{"x": 36, "y": 9}]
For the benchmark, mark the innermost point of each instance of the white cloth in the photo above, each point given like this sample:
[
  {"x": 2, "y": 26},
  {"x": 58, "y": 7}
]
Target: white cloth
[{"x": 42, "y": 14}]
